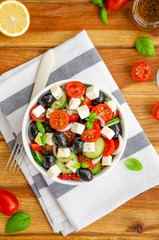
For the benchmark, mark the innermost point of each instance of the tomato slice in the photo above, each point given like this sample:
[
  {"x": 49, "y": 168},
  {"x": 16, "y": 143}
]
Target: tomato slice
[
  {"x": 73, "y": 117},
  {"x": 42, "y": 118},
  {"x": 83, "y": 159},
  {"x": 91, "y": 135},
  {"x": 70, "y": 136},
  {"x": 116, "y": 114},
  {"x": 155, "y": 111},
  {"x": 116, "y": 142},
  {"x": 59, "y": 119},
  {"x": 74, "y": 177},
  {"x": 75, "y": 89},
  {"x": 35, "y": 146},
  {"x": 141, "y": 71},
  {"x": 109, "y": 147},
  {"x": 87, "y": 101},
  {"x": 103, "y": 111},
  {"x": 65, "y": 176}
]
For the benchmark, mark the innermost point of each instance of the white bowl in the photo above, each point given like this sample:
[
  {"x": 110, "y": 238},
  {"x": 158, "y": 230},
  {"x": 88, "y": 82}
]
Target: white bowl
[{"x": 43, "y": 170}]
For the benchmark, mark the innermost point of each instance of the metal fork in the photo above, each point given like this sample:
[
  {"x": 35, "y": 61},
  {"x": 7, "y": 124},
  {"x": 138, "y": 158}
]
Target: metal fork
[{"x": 42, "y": 76}]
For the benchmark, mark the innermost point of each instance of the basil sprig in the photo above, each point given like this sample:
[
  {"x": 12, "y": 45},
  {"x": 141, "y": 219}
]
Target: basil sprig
[
  {"x": 40, "y": 127},
  {"x": 90, "y": 119},
  {"x": 18, "y": 222},
  {"x": 144, "y": 45},
  {"x": 103, "y": 10},
  {"x": 133, "y": 164},
  {"x": 43, "y": 139}
]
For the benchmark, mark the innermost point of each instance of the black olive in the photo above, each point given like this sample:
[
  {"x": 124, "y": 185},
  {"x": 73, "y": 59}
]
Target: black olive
[
  {"x": 100, "y": 99},
  {"x": 77, "y": 145},
  {"x": 117, "y": 129},
  {"x": 48, "y": 127},
  {"x": 82, "y": 121},
  {"x": 84, "y": 174},
  {"x": 60, "y": 139},
  {"x": 48, "y": 160},
  {"x": 46, "y": 99},
  {"x": 32, "y": 131}
]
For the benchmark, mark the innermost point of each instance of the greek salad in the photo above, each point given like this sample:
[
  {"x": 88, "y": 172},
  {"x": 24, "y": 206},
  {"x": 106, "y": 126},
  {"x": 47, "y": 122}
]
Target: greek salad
[{"x": 74, "y": 131}]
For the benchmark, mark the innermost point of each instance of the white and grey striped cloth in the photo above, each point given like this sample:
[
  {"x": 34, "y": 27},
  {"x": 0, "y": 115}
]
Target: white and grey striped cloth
[{"x": 71, "y": 208}]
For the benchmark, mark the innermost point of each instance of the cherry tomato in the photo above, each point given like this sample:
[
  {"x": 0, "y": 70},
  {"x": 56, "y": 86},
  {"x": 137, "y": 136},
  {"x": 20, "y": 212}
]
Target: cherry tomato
[
  {"x": 73, "y": 117},
  {"x": 91, "y": 135},
  {"x": 74, "y": 177},
  {"x": 113, "y": 5},
  {"x": 83, "y": 159},
  {"x": 109, "y": 147},
  {"x": 116, "y": 142},
  {"x": 35, "y": 146},
  {"x": 70, "y": 136},
  {"x": 65, "y": 176},
  {"x": 117, "y": 114},
  {"x": 90, "y": 107},
  {"x": 103, "y": 111},
  {"x": 42, "y": 118},
  {"x": 75, "y": 89},
  {"x": 59, "y": 119},
  {"x": 141, "y": 71},
  {"x": 155, "y": 111},
  {"x": 87, "y": 101},
  {"x": 8, "y": 202}
]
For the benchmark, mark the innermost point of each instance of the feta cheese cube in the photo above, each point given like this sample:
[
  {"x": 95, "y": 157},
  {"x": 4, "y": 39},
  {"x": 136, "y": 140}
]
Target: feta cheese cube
[
  {"x": 83, "y": 111},
  {"x": 70, "y": 165},
  {"x": 112, "y": 105},
  {"x": 53, "y": 172},
  {"x": 89, "y": 147},
  {"x": 38, "y": 138},
  {"x": 77, "y": 128},
  {"x": 49, "y": 111},
  {"x": 107, "y": 132},
  {"x": 63, "y": 152},
  {"x": 57, "y": 92},
  {"x": 49, "y": 139},
  {"x": 74, "y": 103},
  {"x": 92, "y": 92},
  {"x": 38, "y": 111},
  {"x": 107, "y": 161}
]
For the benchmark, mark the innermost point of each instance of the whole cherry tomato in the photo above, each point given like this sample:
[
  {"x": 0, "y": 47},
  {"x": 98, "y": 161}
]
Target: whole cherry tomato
[
  {"x": 8, "y": 202},
  {"x": 113, "y": 5}
]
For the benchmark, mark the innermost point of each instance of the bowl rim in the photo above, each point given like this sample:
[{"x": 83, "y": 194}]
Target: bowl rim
[{"x": 27, "y": 147}]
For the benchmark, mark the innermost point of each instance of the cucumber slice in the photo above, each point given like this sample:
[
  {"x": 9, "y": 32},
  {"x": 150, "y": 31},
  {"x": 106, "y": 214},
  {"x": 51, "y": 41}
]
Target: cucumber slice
[
  {"x": 113, "y": 122},
  {"x": 99, "y": 149},
  {"x": 96, "y": 169},
  {"x": 61, "y": 163},
  {"x": 63, "y": 167},
  {"x": 38, "y": 157},
  {"x": 61, "y": 103}
]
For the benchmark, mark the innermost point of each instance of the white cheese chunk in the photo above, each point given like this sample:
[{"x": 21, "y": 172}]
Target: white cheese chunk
[
  {"x": 70, "y": 165},
  {"x": 49, "y": 111},
  {"x": 38, "y": 138},
  {"x": 49, "y": 139},
  {"x": 107, "y": 161},
  {"x": 38, "y": 111},
  {"x": 53, "y": 172},
  {"x": 77, "y": 128},
  {"x": 107, "y": 132},
  {"x": 63, "y": 152},
  {"x": 83, "y": 111},
  {"x": 92, "y": 92},
  {"x": 74, "y": 103},
  {"x": 57, "y": 92},
  {"x": 112, "y": 105},
  {"x": 89, "y": 147}
]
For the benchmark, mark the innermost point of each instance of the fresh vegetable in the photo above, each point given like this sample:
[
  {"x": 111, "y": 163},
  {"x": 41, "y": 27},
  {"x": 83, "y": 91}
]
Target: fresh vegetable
[
  {"x": 84, "y": 161},
  {"x": 84, "y": 174},
  {"x": 96, "y": 169},
  {"x": 43, "y": 139},
  {"x": 32, "y": 131},
  {"x": 133, "y": 164},
  {"x": 75, "y": 89},
  {"x": 48, "y": 127},
  {"x": 141, "y": 71},
  {"x": 65, "y": 176},
  {"x": 35, "y": 146},
  {"x": 90, "y": 120},
  {"x": 48, "y": 160},
  {"x": 60, "y": 139},
  {"x": 87, "y": 101},
  {"x": 59, "y": 119},
  {"x": 42, "y": 118},
  {"x": 113, "y": 122},
  {"x": 18, "y": 222},
  {"x": 155, "y": 111},
  {"x": 113, "y": 5},
  {"x": 40, "y": 127},
  {"x": 117, "y": 129},
  {"x": 46, "y": 99},
  {"x": 109, "y": 147},
  {"x": 116, "y": 114},
  {"x": 116, "y": 142},
  {"x": 77, "y": 145},
  {"x": 61, "y": 163},
  {"x": 103, "y": 111},
  {"x": 144, "y": 45},
  {"x": 91, "y": 135},
  {"x": 70, "y": 136},
  {"x": 61, "y": 103},
  {"x": 103, "y": 15},
  {"x": 120, "y": 146},
  {"x": 99, "y": 149},
  {"x": 100, "y": 99},
  {"x": 74, "y": 177},
  {"x": 37, "y": 156},
  {"x": 73, "y": 117},
  {"x": 8, "y": 202}
]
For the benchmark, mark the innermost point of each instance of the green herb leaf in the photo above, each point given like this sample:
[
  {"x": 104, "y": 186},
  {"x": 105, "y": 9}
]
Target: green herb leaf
[
  {"x": 145, "y": 46},
  {"x": 103, "y": 15},
  {"x": 18, "y": 222},
  {"x": 43, "y": 139},
  {"x": 93, "y": 115},
  {"x": 82, "y": 101},
  {"x": 89, "y": 125},
  {"x": 87, "y": 86},
  {"x": 97, "y": 2},
  {"x": 77, "y": 165},
  {"x": 87, "y": 119},
  {"x": 85, "y": 165},
  {"x": 40, "y": 127},
  {"x": 133, "y": 164}
]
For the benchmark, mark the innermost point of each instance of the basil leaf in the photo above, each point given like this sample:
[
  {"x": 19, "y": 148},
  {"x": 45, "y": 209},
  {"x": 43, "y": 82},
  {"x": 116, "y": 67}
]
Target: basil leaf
[
  {"x": 97, "y": 1},
  {"x": 145, "y": 46},
  {"x": 133, "y": 164},
  {"x": 40, "y": 127},
  {"x": 18, "y": 222},
  {"x": 85, "y": 165},
  {"x": 93, "y": 115},
  {"x": 82, "y": 101},
  {"x": 77, "y": 165},
  {"x": 87, "y": 86},
  {"x": 103, "y": 15},
  {"x": 89, "y": 125},
  {"x": 43, "y": 139}
]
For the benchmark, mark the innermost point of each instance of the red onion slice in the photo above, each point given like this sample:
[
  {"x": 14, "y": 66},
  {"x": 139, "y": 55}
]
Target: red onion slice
[
  {"x": 95, "y": 161},
  {"x": 66, "y": 128},
  {"x": 102, "y": 122},
  {"x": 121, "y": 144}
]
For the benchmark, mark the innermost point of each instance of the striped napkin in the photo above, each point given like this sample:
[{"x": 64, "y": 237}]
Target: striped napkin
[{"x": 71, "y": 208}]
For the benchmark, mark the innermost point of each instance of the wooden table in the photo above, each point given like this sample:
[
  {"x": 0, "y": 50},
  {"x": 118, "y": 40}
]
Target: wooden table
[{"x": 53, "y": 22}]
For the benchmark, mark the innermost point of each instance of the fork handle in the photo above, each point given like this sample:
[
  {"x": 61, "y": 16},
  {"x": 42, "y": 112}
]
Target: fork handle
[{"x": 43, "y": 72}]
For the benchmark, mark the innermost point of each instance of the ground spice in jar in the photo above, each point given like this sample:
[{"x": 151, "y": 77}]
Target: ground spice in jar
[{"x": 149, "y": 10}]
